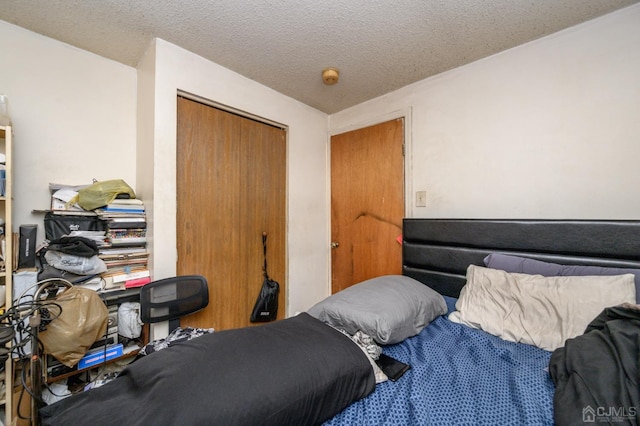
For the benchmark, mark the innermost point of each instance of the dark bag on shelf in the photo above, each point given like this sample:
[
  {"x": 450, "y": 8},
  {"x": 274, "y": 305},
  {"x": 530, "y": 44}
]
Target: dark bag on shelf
[
  {"x": 57, "y": 225},
  {"x": 78, "y": 246},
  {"x": 266, "y": 307}
]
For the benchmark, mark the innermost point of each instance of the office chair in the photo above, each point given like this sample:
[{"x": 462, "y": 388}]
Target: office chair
[{"x": 171, "y": 298}]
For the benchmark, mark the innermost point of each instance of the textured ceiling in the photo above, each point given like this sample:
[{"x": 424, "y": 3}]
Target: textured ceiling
[{"x": 378, "y": 45}]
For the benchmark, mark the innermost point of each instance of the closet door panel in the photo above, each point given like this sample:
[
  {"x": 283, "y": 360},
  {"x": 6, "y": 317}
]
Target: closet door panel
[{"x": 231, "y": 181}]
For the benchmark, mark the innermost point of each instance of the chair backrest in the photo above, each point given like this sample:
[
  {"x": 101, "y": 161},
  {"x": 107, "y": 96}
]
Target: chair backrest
[{"x": 171, "y": 298}]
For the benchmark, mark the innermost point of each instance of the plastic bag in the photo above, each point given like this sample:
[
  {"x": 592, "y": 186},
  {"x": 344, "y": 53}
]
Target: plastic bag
[
  {"x": 83, "y": 320},
  {"x": 129, "y": 323},
  {"x": 75, "y": 264},
  {"x": 102, "y": 193}
]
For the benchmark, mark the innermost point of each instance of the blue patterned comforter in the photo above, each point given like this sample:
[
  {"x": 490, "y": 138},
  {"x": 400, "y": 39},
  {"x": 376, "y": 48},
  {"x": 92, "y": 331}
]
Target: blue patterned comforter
[{"x": 459, "y": 376}]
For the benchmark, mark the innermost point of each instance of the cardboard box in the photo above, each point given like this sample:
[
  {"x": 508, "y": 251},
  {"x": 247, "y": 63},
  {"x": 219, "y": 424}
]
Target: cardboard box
[
  {"x": 99, "y": 355},
  {"x": 61, "y": 196},
  {"x": 60, "y": 205}
]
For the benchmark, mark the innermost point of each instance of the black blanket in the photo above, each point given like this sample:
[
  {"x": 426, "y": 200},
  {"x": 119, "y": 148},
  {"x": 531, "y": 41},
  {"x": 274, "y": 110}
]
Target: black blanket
[
  {"x": 297, "y": 371},
  {"x": 596, "y": 374}
]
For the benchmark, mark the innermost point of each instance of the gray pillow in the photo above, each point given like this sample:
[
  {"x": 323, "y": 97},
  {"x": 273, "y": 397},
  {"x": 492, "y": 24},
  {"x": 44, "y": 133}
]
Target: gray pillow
[
  {"x": 525, "y": 265},
  {"x": 389, "y": 308}
]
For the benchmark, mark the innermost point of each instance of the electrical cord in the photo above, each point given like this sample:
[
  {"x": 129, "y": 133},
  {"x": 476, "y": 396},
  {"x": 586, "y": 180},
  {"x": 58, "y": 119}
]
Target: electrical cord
[
  {"x": 15, "y": 318},
  {"x": 16, "y": 326},
  {"x": 21, "y": 324},
  {"x": 23, "y": 337}
]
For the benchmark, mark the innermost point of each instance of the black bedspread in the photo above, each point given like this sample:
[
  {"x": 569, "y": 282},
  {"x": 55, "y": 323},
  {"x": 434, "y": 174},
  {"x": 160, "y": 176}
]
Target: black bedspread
[
  {"x": 297, "y": 371},
  {"x": 596, "y": 374}
]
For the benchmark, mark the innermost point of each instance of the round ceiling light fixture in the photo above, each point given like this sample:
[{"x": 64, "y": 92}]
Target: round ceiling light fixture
[{"x": 330, "y": 76}]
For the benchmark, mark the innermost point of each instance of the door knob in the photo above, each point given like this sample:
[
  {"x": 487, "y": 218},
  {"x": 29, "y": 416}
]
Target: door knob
[{"x": 334, "y": 244}]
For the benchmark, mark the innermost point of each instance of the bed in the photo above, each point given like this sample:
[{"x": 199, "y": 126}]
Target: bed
[{"x": 459, "y": 373}]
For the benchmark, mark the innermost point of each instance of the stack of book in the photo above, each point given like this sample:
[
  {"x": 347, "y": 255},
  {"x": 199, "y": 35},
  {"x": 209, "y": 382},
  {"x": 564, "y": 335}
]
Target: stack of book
[
  {"x": 125, "y": 253},
  {"x": 119, "y": 207}
]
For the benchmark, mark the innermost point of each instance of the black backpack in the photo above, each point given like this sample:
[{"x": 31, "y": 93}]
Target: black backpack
[{"x": 266, "y": 307}]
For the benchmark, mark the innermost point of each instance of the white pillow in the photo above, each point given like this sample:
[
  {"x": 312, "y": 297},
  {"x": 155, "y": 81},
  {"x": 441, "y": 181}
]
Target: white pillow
[
  {"x": 537, "y": 310},
  {"x": 389, "y": 308}
]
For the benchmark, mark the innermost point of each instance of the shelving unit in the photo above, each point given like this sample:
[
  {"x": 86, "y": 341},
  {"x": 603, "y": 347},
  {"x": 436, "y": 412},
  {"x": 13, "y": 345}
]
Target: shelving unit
[
  {"x": 62, "y": 376},
  {"x": 6, "y": 272}
]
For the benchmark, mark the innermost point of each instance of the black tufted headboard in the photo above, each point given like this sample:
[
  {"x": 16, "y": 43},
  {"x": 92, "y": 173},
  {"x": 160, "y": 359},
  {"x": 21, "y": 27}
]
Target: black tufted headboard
[{"x": 438, "y": 251}]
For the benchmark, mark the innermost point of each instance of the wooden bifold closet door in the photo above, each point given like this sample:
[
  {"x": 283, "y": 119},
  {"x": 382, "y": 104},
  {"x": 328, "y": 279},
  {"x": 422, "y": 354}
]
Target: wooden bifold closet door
[{"x": 231, "y": 187}]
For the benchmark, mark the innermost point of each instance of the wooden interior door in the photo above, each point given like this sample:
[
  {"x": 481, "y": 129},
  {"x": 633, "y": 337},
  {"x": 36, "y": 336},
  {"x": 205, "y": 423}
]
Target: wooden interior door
[
  {"x": 367, "y": 203},
  {"x": 231, "y": 187}
]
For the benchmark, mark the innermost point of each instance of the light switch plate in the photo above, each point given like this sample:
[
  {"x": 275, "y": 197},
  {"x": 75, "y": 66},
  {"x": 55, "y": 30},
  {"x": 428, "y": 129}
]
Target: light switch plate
[{"x": 421, "y": 198}]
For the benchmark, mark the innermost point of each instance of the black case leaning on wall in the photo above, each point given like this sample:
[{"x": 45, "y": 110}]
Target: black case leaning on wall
[
  {"x": 27, "y": 246},
  {"x": 57, "y": 225}
]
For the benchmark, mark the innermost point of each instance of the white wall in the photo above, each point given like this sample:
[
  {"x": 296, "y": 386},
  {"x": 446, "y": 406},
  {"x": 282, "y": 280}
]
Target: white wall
[
  {"x": 168, "y": 69},
  {"x": 73, "y": 117},
  {"x": 550, "y": 129}
]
